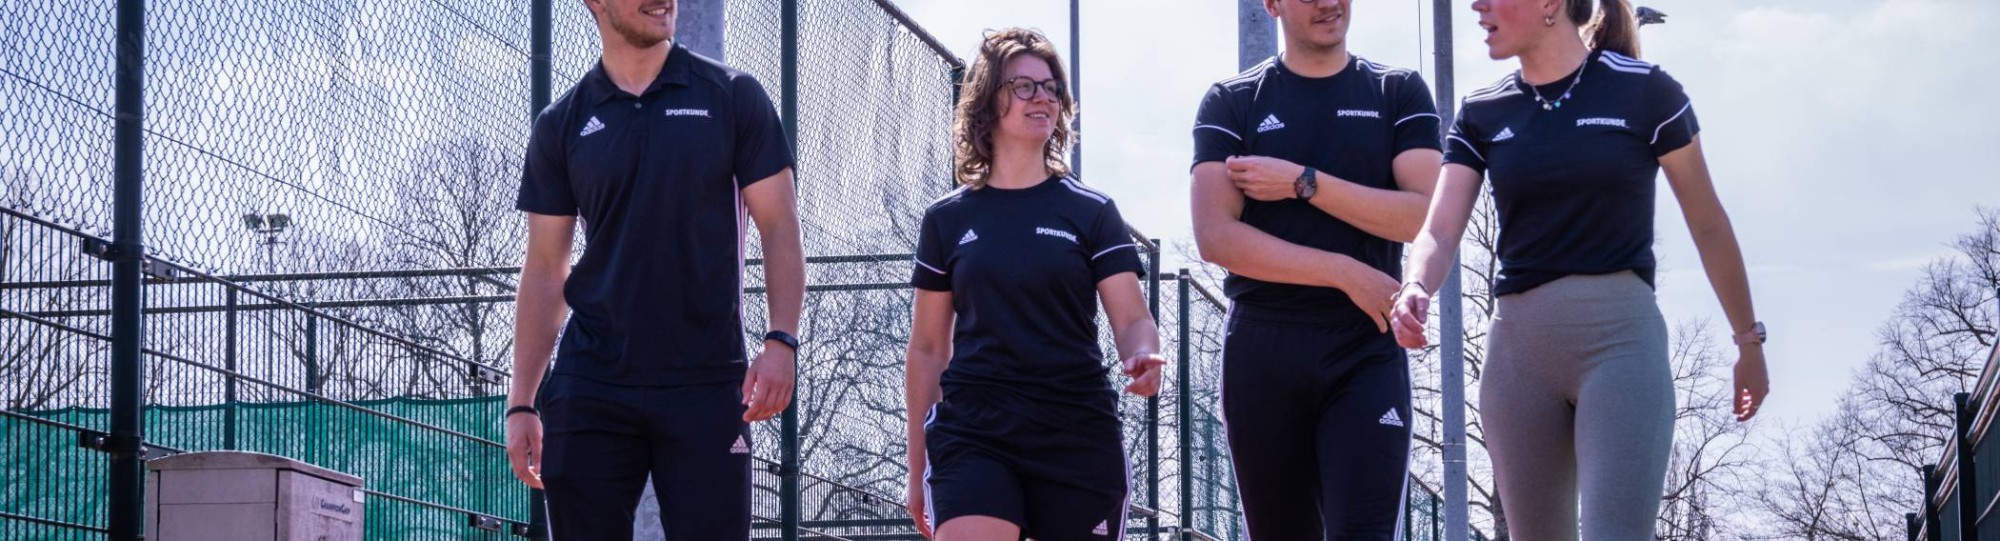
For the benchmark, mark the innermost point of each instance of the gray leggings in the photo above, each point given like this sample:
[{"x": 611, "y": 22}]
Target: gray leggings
[{"x": 1578, "y": 400}]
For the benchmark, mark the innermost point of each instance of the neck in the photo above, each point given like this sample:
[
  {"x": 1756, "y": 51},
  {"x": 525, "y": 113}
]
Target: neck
[
  {"x": 1554, "y": 59},
  {"x": 1308, "y": 61},
  {"x": 632, "y": 67},
  {"x": 1016, "y": 165}
]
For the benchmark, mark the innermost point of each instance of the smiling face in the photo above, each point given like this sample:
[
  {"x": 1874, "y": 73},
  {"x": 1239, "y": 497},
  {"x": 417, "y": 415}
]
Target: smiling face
[
  {"x": 1516, "y": 26},
  {"x": 989, "y": 114},
  {"x": 641, "y": 23},
  {"x": 1321, "y": 24},
  {"x": 1031, "y": 120}
]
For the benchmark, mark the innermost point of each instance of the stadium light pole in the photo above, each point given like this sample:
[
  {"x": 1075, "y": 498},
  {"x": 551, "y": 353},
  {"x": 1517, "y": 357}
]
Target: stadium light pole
[
  {"x": 1648, "y": 16},
  {"x": 1451, "y": 315}
]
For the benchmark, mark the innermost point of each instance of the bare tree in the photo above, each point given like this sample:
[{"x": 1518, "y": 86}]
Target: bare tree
[
  {"x": 1852, "y": 477},
  {"x": 1711, "y": 453},
  {"x": 44, "y": 367},
  {"x": 1818, "y": 487}
]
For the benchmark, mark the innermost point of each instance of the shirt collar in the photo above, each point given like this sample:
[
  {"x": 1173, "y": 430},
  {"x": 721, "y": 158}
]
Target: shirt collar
[{"x": 675, "y": 72}]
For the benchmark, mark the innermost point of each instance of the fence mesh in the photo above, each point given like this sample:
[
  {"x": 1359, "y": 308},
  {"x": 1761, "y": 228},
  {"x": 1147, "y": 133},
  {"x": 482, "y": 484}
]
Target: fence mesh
[{"x": 330, "y": 188}]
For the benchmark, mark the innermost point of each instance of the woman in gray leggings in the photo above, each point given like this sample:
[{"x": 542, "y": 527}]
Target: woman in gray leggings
[{"x": 1578, "y": 397}]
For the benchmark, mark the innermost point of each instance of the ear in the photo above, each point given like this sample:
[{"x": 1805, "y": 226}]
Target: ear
[
  {"x": 1271, "y": 7},
  {"x": 1560, "y": 8}
]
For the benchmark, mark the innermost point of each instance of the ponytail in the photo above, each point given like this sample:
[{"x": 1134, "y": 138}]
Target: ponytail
[{"x": 1615, "y": 28}]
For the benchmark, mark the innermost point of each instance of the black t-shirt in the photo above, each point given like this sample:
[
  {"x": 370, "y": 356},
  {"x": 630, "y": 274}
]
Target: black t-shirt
[
  {"x": 1022, "y": 267},
  {"x": 1574, "y": 184},
  {"x": 657, "y": 180},
  {"x": 1351, "y": 125}
]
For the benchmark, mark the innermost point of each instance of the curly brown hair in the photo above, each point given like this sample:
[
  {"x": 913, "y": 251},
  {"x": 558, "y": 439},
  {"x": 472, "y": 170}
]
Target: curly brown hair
[{"x": 977, "y": 112}]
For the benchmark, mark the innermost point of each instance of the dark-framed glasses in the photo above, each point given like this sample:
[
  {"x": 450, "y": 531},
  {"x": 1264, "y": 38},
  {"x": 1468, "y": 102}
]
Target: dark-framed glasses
[{"x": 1024, "y": 88}]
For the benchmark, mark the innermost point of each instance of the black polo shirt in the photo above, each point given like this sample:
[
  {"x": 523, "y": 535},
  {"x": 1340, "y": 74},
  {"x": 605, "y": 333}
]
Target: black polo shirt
[
  {"x": 656, "y": 298},
  {"x": 1574, "y": 185},
  {"x": 1351, "y": 125},
  {"x": 1022, "y": 267}
]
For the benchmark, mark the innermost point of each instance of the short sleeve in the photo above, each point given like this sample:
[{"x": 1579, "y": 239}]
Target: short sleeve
[
  {"x": 761, "y": 149},
  {"x": 1675, "y": 125},
  {"x": 1112, "y": 249},
  {"x": 1218, "y": 132},
  {"x": 930, "y": 273},
  {"x": 1416, "y": 116},
  {"x": 545, "y": 187},
  {"x": 1466, "y": 144}
]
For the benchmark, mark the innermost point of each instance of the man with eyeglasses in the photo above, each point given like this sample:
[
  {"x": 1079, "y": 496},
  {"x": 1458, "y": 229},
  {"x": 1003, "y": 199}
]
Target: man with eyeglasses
[
  {"x": 659, "y": 153},
  {"x": 1310, "y": 171}
]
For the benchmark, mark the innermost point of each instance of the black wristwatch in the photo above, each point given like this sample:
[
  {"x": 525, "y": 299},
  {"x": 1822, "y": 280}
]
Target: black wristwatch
[
  {"x": 783, "y": 338},
  {"x": 1307, "y": 185}
]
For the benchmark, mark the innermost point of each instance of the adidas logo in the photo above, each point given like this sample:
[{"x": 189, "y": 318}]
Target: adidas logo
[
  {"x": 743, "y": 448},
  {"x": 1391, "y": 418},
  {"x": 1103, "y": 528},
  {"x": 593, "y": 127},
  {"x": 969, "y": 237},
  {"x": 1505, "y": 134},
  {"x": 1270, "y": 123}
]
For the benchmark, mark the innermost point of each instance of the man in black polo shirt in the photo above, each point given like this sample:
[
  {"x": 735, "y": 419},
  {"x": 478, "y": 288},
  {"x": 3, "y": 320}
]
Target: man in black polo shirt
[
  {"x": 660, "y": 152},
  {"x": 1310, "y": 170}
]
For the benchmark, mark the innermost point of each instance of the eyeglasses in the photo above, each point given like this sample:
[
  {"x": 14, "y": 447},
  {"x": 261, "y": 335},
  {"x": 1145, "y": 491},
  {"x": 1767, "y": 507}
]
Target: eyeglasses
[{"x": 1024, "y": 88}]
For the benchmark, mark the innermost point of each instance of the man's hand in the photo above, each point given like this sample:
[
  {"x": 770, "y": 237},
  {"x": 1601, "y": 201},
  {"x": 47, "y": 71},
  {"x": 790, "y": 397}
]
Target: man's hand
[
  {"x": 767, "y": 389},
  {"x": 1265, "y": 179},
  {"x": 1371, "y": 290},
  {"x": 524, "y": 447},
  {"x": 915, "y": 504}
]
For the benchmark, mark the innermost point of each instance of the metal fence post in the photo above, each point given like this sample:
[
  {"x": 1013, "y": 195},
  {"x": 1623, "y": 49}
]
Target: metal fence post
[
  {"x": 229, "y": 363},
  {"x": 126, "y": 442},
  {"x": 1153, "y": 403},
  {"x": 788, "y": 482},
  {"x": 312, "y": 354},
  {"x": 541, "y": 48},
  {"x": 1968, "y": 492},
  {"x": 1931, "y": 522},
  {"x": 1076, "y": 85},
  {"x": 1186, "y": 410}
]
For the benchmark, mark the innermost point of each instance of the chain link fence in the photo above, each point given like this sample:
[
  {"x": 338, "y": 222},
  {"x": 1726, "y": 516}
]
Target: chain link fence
[{"x": 331, "y": 237}]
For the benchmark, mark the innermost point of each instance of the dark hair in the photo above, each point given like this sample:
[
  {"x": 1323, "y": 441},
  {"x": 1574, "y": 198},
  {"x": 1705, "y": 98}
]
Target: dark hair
[
  {"x": 1615, "y": 28},
  {"x": 976, "y": 119}
]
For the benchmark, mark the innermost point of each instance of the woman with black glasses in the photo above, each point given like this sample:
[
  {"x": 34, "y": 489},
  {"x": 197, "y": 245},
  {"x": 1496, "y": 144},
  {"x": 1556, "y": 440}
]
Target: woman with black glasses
[{"x": 1013, "y": 425}]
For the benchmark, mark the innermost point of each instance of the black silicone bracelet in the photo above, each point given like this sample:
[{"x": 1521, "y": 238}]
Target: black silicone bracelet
[{"x": 522, "y": 409}]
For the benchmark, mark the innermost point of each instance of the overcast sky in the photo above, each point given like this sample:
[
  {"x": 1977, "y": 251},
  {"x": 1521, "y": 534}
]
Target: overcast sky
[{"x": 1845, "y": 137}]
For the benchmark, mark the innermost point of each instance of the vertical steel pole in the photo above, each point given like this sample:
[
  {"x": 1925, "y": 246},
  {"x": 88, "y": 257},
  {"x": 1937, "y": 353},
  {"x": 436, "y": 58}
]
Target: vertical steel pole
[{"x": 128, "y": 371}]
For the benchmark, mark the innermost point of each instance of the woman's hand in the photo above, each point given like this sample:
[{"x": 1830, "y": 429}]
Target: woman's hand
[
  {"x": 1751, "y": 383},
  {"x": 1144, "y": 369},
  {"x": 1412, "y": 311}
]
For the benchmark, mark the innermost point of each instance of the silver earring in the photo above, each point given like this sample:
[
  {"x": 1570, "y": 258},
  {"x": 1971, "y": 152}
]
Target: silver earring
[{"x": 1549, "y": 20}]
